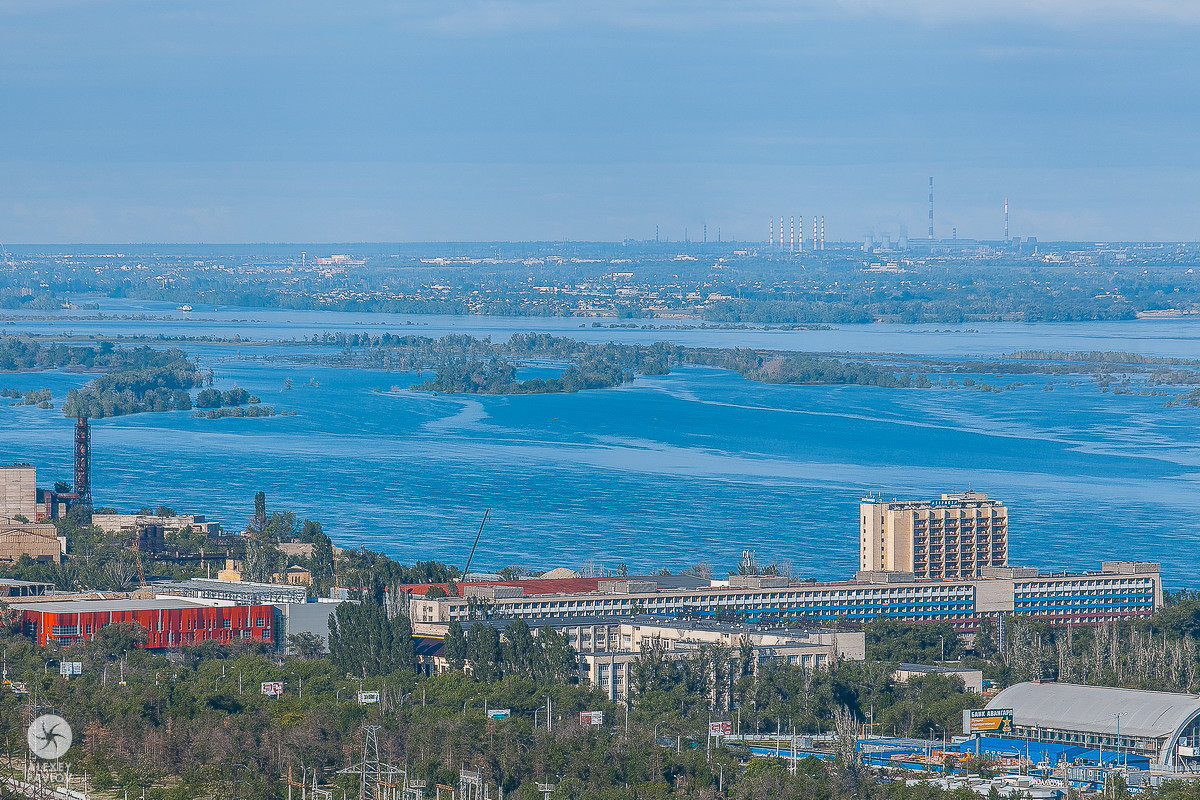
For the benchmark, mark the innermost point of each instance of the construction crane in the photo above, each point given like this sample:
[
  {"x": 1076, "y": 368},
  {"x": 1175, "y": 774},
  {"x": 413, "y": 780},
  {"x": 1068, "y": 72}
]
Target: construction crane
[{"x": 471, "y": 557}]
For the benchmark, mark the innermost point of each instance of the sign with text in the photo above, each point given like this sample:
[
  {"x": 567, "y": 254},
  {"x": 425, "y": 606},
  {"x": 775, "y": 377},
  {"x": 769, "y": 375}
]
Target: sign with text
[
  {"x": 272, "y": 688},
  {"x": 499, "y": 713},
  {"x": 70, "y": 668},
  {"x": 988, "y": 720},
  {"x": 591, "y": 717},
  {"x": 366, "y": 698},
  {"x": 720, "y": 728}
]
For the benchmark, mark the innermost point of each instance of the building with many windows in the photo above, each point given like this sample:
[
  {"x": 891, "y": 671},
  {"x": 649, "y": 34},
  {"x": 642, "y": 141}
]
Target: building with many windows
[
  {"x": 608, "y": 647},
  {"x": 1120, "y": 590},
  {"x": 169, "y": 622},
  {"x": 955, "y": 537}
]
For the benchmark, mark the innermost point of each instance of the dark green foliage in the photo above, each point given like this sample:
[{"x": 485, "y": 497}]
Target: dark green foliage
[
  {"x": 144, "y": 380},
  {"x": 455, "y": 649},
  {"x": 364, "y": 641},
  {"x": 896, "y": 641}
]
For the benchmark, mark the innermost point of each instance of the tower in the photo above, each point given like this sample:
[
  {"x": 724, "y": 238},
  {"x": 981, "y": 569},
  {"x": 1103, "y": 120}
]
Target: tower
[
  {"x": 83, "y": 462},
  {"x": 1006, "y": 219},
  {"x": 706, "y": 233},
  {"x": 931, "y": 208},
  {"x": 781, "y": 232},
  {"x": 801, "y": 233},
  {"x": 815, "y": 247},
  {"x": 792, "y": 237},
  {"x": 771, "y": 235},
  {"x": 822, "y": 233}
]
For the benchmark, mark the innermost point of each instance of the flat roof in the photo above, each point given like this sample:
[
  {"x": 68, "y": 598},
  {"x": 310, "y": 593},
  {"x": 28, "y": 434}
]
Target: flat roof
[{"x": 91, "y": 606}]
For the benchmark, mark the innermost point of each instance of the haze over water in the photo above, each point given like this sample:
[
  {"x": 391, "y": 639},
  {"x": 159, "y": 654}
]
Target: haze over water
[{"x": 666, "y": 471}]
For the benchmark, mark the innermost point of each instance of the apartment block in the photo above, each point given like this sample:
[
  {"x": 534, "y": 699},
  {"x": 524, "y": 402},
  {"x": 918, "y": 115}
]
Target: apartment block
[
  {"x": 955, "y": 537},
  {"x": 18, "y": 492}
]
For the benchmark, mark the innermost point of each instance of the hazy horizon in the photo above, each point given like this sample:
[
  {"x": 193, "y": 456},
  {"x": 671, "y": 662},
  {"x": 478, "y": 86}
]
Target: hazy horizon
[{"x": 527, "y": 120}]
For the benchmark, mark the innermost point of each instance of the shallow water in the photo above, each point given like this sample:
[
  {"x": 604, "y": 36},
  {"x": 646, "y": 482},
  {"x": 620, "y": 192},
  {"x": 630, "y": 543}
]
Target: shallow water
[{"x": 668, "y": 471}]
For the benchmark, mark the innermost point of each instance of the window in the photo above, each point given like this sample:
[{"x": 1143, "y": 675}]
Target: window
[
  {"x": 259, "y": 622},
  {"x": 226, "y": 623}
]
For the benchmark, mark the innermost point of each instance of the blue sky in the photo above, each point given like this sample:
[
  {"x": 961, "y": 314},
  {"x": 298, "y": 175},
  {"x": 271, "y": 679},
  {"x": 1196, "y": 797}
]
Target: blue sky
[{"x": 222, "y": 121}]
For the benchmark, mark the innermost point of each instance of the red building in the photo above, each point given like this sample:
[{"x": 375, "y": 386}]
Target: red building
[{"x": 167, "y": 623}]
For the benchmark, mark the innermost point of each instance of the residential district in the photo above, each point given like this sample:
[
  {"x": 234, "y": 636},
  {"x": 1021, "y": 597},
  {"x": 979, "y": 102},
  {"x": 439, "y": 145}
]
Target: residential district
[{"x": 268, "y": 663}]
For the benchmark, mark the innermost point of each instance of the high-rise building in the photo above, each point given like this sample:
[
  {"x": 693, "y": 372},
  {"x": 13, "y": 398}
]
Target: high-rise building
[
  {"x": 18, "y": 492},
  {"x": 955, "y": 537}
]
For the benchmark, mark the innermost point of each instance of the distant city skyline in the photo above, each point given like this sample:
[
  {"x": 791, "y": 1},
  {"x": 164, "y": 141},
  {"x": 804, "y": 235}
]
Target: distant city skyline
[{"x": 133, "y": 121}]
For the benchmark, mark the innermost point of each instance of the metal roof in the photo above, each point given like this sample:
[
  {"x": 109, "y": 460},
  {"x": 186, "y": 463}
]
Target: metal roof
[
  {"x": 1094, "y": 709},
  {"x": 89, "y": 606}
]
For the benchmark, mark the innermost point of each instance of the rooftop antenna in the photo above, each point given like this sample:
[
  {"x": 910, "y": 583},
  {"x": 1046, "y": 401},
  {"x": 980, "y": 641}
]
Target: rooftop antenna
[
  {"x": 931, "y": 208},
  {"x": 482, "y": 522},
  {"x": 1006, "y": 219}
]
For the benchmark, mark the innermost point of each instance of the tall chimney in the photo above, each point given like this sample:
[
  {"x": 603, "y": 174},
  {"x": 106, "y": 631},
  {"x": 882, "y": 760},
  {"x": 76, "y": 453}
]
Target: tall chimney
[
  {"x": 931, "y": 208},
  {"x": 83, "y": 462}
]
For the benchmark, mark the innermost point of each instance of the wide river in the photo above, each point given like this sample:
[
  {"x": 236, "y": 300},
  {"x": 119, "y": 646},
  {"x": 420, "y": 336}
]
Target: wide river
[{"x": 667, "y": 471}]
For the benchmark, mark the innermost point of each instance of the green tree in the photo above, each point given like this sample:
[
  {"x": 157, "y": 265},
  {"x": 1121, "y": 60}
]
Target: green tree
[
  {"x": 483, "y": 652},
  {"x": 455, "y": 649}
]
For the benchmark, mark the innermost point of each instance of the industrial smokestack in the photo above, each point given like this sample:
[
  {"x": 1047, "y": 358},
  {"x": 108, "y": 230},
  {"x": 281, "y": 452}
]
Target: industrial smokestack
[
  {"x": 822, "y": 233},
  {"x": 815, "y": 247},
  {"x": 792, "y": 237},
  {"x": 771, "y": 235},
  {"x": 83, "y": 462},
  {"x": 801, "y": 233},
  {"x": 931, "y": 208},
  {"x": 1006, "y": 219},
  {"x": 781, "y": 232}
]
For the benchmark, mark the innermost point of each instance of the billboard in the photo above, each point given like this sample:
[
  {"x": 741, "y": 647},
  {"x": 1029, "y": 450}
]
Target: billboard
[
  {"x": 365, "y": 698},
  {"x": 272, "y": 688},
  {"x": 591, "y": 717},
  {"x": 499, "y": 713},
  {"x": 988, "y": 720},
  {"x": 720, "y": 728},
  {"x": 66, "y": 668}
]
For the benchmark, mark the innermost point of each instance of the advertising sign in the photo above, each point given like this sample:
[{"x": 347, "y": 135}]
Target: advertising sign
[
  {"x": 70, "y": 668},
  {"x": 591, "y": 717},
  {"x": 988, "y": 720},
  {"x": 720, "y": 728},
  {"x": 499, "y": 713},
  {"x": 365, "y": 698},
  {"x": 272, "y": 688}
]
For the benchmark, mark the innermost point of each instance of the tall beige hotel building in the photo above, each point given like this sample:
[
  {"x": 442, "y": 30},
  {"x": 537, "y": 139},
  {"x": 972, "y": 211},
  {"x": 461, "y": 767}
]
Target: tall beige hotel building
[{"x": 955, "y": 537}]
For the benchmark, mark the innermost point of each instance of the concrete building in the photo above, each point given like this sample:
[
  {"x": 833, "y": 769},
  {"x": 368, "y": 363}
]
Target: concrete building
[
  {"x": 130, "y": 523},
  {"x": 18, "y": 492},
  {"x": 954, "y": 537},
  {"x": 39, "y": 541},
  {"x": 608, "y": 647},
  {"x": 1163, "y": 726},
  {"x": 972, "y": 678},
  {"x": 1120, "y": 590}
]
